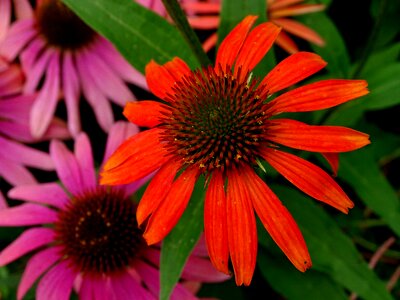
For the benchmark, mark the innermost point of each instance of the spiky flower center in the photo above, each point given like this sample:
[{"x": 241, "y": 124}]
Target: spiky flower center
[
  {"x": 217, "y": 119},
  {"x": 61, "y": 28},
  {"x": 98, "y": 232}
]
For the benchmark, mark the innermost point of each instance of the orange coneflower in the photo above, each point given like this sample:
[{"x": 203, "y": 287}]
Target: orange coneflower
[{"x": 218, "y": 123}]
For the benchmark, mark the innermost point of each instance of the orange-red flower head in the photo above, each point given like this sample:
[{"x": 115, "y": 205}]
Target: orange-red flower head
[{"x": 217, "y": 122}]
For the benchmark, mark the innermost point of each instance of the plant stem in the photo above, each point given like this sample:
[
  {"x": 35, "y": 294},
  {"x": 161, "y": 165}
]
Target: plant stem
[{"x": 181, "y": 22}]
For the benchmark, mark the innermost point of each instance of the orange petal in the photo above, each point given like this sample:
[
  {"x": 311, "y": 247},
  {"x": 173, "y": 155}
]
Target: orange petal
[
  {"x": 157, "y": 190},
  {"x": 309, "y": 178},
  {"x": 161, "y": 78},
  {"x": 210, "y": 42},
  {"x": 319, "y": 95},
  {"x": 231, "y": 45},
  {"x": 286, "y": 43},
  {"x": 145, "y": 113},
  {"x": 295, "y": 10},
  {"x": 137, "y": 157},
  {"x": 302, "y": 136},
  {"x": 300, "y": 31},
  {"x": 201, "y": 7},
  {"x": 281, "y": 3},
  {"x": 291, "y": 70},
  {"x": 333, "y": 160},
  {"x": 278, "y": 221},
  {"x": 172, "y": 207},
  {"x": 256, "y": 45},
  {"x": 204, "y": 22},
  {"x": 242, "y": 231},
  {"x": 215, "y": 223}
]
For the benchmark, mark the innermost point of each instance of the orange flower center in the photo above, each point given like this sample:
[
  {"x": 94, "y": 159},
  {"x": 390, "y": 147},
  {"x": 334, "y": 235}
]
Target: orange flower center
[
  {"x": 217, "y": 119},
  {"x": 60, "y": 27},
  {"x": 98, "y": 232}
]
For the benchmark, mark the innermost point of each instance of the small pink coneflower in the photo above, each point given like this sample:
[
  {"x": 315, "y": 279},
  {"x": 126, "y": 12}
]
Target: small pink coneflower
[{"x": 86, "y": 236}]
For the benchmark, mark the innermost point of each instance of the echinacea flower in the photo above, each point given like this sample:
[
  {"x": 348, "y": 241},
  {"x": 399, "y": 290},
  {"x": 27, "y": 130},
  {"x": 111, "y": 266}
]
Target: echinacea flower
[
  {"x": 86, "y": 235},
  {"x": 15, "y": 156},
  {"x": 217, "y": 122},
  {"x": 62, "y": 56},
  {"x": 204, "y": 15}
]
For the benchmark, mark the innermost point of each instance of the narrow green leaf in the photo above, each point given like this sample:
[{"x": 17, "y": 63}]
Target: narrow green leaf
[
  {"x": 334, "y": 51},
  {"x": 179, "y": 243},
  {"x": 294, "y": 285},
  {"x": 332, "y": 252},
  {"x": 360, "y": 170},
  {"x": 139, "y": 34}
]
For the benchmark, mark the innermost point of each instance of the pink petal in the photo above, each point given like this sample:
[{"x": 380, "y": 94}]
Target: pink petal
[
  {"x": 201, "y": 269},
  {"x": 125, "y": 286},
  {"x": 57, "y": 283},
  {"x": 45, "y": 193},
  {"x": 11, "y": 80},
  {"x": 45, "y": 105},
  {"x": 84, "y": 157},
  {"x": 5, "y": 17},
  {"x": 95, "y": 288},
  {"x": 27, "y": 214},
  {"x": 3, "y": 202},
  {"x": 28, "y": 241},
  {"x": 23, "y": 9},
  {"x": 15, "y": 173},
  {"x": 71, "y": 93},
  {"x": 33, "y": 58},
  {"x": 67, "y": 167},
  {"x": 57, "y": 130},
  {"x": 16, "y": 108},
  {"x": 36, "y": 266}
]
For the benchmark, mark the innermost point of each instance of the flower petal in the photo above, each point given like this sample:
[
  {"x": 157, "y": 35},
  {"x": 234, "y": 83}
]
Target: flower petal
[
  {"x": 295, "y": 10},
  {"x": 145, "y": 113},
  {"x": 46, "y": 193},
  {"x": 291, "y": 70},
  {"x": 319, "y": 95},
  {"x": 157, "y": 190},
  {"x": 242, "y": 231},
  {"x": 161, "y": 78},
  {"x": 125, "y": 286},
  {"x": 286, "y": 43},
  {"x": 135, "y": 158},
  {"x": 36, "y": 266},
  {"x": 256, "y": 45},
  {"x": 27, "y": 214},
  {"x": 333, "y": 160},
  {"x": 95, "y": 288},
  {"x": 300, "y": 30},
  {"x": 204, "y": 22},
  {"x": 309, "y": 178},
  {"x": 299, "y": 135},
  {"x": 200, "y": 269},
  {"x": 28, "y": 241},
  {"x": 172, "y": 207},
  {"x": 215, "y": 223},
  {"x": 84, "y": 158},
  {"x": 57, "y": 283},
  {"x": 15, "y": 173},
  {"x": 232, "y": 43},
  {"x": 278, "y": 221}
]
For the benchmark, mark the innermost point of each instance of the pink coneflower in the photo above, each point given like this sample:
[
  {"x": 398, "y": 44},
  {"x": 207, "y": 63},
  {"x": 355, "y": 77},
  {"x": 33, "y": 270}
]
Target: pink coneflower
[
  {"x": 14, "y": 129},
  {"x": 87, "y": 235},
  {"x": 62, "y": 56}
]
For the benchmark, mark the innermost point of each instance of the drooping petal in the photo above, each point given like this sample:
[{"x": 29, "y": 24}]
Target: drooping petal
[
  {"x": 172, "y": 207},
  {"x": 36, "y": 266},
  {"x": 157, "y": 190},
  {"x": 210, "y": 42},
  {"x": 145, "y": 113},
  {"x": 57, "y": 283},
  {"x": 200, "y": 269},
  {"x": 309, "y": 178},
  {"x": 45, "y": 193},
  {"x": 286, "y": 43},
  {"x": 95, "y": 288},
  {"x": 300, "y": 30},
  {"x": 5, "y": 17},
  {"x": 319, "y": 95},
  {"x": 278, "y": 221},
  {"x": 137, "y": 157},
  {"x": 256, "y": 45},
  {"x": 15, "y": 173},
  {"x": 84, "y": 158},
  {"x": 314, "y": 138},
  {"x": 274, "y": 5},
  {"x": 161, "y": 78},
  {"x": 231, "y": 45},
  {"x": 3, "y": 202},
  {"x": 242, "y": 231},
  {"x": 295, "y": 10},
  {"x": 32, "y": 54},
  {"x": 204, "y": 22},
  {"x": 27, "y": 214},
  {"x": 333, "y": 160},
  {"x": 291, "y": 70},
  {"x": 215, "y": 223},
  {"x": 67, "y": 167},
  {"x": 125, "y": 286},
  {"x": 23, "y": 9},
  {"x": 28, "y": 241}
]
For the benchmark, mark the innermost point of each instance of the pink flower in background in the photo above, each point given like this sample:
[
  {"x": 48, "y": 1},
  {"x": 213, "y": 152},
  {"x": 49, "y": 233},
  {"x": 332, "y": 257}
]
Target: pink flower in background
[
  {"x": 14, "y": 129},
  {"x": 87, "y": 236},
  {"x": 63, "y": 58}
]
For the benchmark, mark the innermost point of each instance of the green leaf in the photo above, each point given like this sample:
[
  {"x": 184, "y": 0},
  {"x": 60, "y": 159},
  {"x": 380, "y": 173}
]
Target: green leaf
[
  {"x": 334, "y": 51},
  {"x": 332, "y": 252},
  {"x": 360, "y": 170},
  {"x": 138, "y": 33},
  {"x": 179, "y": 243},
  {"x": 294, "y": 285}
]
